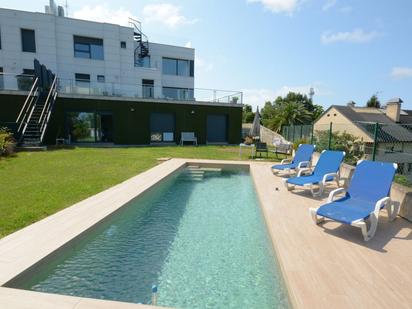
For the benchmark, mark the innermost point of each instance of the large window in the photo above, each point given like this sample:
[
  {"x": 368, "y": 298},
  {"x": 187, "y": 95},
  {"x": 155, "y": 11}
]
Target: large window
[
  {"x": 90, "y": 48},
  {"x": 89, "y": 127},
  {"x": 1, "y": 78},
  {"x": 178, "y": 93},
  {"x": 178, "y": 67},
  {"x": 28, "y": 40}
]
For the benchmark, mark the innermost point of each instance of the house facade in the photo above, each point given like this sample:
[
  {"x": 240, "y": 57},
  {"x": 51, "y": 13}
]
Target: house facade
[
  {"x": 112, "y": 84},
  {"x": 393, "y": 136}
]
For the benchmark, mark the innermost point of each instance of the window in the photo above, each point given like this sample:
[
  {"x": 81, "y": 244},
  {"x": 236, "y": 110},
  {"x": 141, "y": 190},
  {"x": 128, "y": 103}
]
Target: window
[
  {"x": 178, "y": 93},
  {"x": 28, "y": 41},
  {"x": 28, "y": 72},
  {"x": 0, "y": 38},
  {"x": 82, "y": 83},
  {"x": 100, "y": 78},
  {"x": 178, "y": 67},
  {"x": 144, "y": 62},
  {"x": 90, "y": 127},
  {"x": 147, "y": 88},
  {"x": 89, "y": 48},
  {"x": 1, "y": 78},
  {"x": 122, "y": 44}
]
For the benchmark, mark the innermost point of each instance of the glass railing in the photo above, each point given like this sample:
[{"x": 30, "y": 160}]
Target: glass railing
[
  {"x": 87, "y": 88},
  {"x": 20, "y": 82}
]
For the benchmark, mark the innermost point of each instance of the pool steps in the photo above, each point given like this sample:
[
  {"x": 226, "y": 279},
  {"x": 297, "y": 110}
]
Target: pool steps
[{"x": 197, "y": 173}]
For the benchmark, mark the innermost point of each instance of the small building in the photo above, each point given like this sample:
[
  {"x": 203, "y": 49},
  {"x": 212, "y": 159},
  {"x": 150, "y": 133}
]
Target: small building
[
  {"x": 113, "y": 85},
  {"x": 394, "y": 135}
]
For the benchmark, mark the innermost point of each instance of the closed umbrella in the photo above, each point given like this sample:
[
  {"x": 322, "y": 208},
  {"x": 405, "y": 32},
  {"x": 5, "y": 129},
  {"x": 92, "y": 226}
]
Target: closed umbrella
[{"x": 255, "y": 128}]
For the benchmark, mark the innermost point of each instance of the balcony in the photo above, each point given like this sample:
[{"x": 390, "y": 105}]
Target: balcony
[
  {"x": 16, "y": 82},
  {"x": 148, "y": 92}
]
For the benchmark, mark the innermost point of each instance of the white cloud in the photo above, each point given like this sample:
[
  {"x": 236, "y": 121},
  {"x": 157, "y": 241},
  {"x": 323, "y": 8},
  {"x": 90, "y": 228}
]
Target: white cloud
[
  {"x": 102, "y": 13},
  {"x": 401, "y": 72},
  {"x": 328, "y": 4},
  {"x": 356, "y": 36},
  {"x": 258, "y": 97},
  {"x": 279, "y": 6},
  {"x": 188, "y": 44},
  {"x": 167, "y": 14}
]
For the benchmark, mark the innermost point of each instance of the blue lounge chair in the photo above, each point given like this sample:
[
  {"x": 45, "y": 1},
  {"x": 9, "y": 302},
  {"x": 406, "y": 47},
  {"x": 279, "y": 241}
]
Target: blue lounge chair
[
  {"x": 326, "y": 170},
  {"x": 367, "y": 194},
  {"x": 302, "y": 159}
]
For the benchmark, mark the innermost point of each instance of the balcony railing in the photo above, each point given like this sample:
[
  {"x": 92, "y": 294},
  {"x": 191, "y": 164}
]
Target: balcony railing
[
  {"x": 88, "y": 88},
  {"x": 24, "y": 82},
  {"x": 20, "y": 82}
]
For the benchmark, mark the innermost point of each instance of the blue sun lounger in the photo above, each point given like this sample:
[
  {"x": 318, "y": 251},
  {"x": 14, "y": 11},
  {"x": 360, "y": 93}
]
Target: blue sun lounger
[
  {"x": 367, "y": 194},
  {"x": 326, "y": 170},
  {"x": 301, "y": 160}
]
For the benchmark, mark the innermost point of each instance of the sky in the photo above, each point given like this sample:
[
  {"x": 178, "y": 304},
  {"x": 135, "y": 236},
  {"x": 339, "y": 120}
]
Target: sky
[{"x": 345, "y": 50}]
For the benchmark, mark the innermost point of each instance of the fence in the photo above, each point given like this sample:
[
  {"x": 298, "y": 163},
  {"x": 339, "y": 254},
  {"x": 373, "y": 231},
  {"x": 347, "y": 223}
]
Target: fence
[{"x": 390, "y": 142}]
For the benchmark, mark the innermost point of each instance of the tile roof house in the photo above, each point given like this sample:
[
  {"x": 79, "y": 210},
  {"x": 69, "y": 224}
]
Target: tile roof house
[{"x": 394, "y": 134}]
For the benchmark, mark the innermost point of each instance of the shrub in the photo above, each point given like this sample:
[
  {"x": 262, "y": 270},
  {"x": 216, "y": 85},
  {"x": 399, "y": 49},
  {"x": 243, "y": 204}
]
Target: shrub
[
  {"x": 341, "y": 141},
  {"x": 7, "y": 142},
  {"x": 300, "y": 141},
  {"x": 403, "y": 180}
]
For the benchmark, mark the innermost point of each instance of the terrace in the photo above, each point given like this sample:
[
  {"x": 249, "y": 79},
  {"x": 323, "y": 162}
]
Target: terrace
[
  {"x": 321, "y": 266},
  {"x": 81, "y": 88}
]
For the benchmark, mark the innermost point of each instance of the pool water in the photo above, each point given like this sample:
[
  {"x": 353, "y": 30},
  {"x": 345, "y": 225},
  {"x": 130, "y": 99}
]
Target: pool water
[{"x": 203, "y": 243}]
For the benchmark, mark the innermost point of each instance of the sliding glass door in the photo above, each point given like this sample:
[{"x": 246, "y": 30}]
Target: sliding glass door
[{"x": 89, "y": 127}]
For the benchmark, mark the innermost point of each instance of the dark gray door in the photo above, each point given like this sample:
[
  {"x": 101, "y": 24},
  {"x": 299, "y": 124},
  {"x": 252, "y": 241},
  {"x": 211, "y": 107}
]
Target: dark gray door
[
  {"x": 162, "y": 127},
  {"x": 217, "y": 128}
]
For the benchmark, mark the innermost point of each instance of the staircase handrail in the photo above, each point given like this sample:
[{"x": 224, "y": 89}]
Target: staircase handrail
[
  {"x": 47, "y": 108},
  {"x": 32, "y": 90}
]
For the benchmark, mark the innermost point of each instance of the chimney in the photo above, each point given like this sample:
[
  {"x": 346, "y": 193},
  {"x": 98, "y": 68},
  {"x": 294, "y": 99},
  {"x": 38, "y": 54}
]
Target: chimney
[
  {"x": 351, "y": 104},
  {"x": 393, "y": 109}
]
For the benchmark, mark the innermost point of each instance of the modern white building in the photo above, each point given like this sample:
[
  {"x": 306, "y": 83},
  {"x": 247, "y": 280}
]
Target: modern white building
[
  {"x": 84, "y": 81},
  {"x": 87, "y": 53}
]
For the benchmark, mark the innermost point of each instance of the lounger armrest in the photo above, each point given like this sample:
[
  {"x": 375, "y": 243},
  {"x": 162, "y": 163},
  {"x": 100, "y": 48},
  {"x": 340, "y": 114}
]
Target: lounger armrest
[
  {"x": 326, "y": 176},
  {"x": 304, "y": 171},
  {"x": 286, "y": 161},
  {"x": 335, "y": 192},
  {"x": 382, "y": 202},
  {"x": 303, "y": 164}
]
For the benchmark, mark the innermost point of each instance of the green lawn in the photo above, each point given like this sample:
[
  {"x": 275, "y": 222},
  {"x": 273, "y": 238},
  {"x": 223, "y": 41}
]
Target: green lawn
[{"x": 37, "y": 184}]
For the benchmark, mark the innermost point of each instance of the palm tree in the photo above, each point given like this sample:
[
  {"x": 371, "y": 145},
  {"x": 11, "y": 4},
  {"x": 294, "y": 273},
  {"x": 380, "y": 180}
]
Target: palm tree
[{"x": 289, "y": 113}]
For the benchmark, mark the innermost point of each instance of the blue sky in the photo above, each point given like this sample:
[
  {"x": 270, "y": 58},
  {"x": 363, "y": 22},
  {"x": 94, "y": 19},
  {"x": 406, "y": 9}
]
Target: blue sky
[{"x": 346, "y": 50}]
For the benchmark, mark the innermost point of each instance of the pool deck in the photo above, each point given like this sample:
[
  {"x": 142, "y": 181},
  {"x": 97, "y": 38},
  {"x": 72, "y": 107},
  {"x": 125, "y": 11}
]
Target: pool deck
[{"x": 323, "y": 266}]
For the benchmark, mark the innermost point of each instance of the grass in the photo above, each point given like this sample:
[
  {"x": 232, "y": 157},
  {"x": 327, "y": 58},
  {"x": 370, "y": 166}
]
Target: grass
[
  {"x": 35, "y": 185},
  {"x": 403, "y": 180}
]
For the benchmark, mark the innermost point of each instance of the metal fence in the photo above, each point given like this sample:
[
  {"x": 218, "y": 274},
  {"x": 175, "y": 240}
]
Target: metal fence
[{"x": 389, "y": 142}]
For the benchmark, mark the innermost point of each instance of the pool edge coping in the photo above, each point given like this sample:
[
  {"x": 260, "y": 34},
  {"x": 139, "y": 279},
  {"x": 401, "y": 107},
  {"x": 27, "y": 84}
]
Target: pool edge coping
[{"x": 20, "y": 240}]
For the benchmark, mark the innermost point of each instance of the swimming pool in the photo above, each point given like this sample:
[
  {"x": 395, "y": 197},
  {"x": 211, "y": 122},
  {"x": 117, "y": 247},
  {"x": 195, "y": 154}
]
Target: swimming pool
[{"x": 202, "y": 240}]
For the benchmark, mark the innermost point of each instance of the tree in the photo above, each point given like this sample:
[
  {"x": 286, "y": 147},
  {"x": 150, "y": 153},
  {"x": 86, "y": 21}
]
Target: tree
[
  {"x": 247, "y": 115},
  {"x": 294, "y": 108},
  {"x": 373, "y": 102},
  {"x": 286, "y": 113}
]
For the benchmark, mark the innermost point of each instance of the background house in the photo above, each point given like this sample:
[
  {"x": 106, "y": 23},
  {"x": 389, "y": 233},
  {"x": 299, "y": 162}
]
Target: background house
[{"x": 394, "y": 134}]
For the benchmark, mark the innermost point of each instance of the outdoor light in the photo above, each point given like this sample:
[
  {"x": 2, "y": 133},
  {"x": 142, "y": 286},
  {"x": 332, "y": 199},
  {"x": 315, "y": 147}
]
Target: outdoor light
[
  {"x": 132, "y": 109},
  {"x": 192, "y": 112}
]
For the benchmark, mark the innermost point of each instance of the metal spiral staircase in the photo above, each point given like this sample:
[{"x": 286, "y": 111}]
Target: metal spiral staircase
[{"x": 142, "y": 49}]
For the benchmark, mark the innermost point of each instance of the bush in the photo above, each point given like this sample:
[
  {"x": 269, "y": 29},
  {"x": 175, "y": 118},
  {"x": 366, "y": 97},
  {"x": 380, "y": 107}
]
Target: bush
[
  {"x": 7, "y": 142},
  {"x": 300, "y": 141},
  {"x": 341, "y": 141},
  {"x": 403, "y": 180}
]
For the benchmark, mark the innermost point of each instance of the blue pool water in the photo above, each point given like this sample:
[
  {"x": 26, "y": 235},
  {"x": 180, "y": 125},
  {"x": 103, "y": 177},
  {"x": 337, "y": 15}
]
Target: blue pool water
[{"x": 204, "y": 243}]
